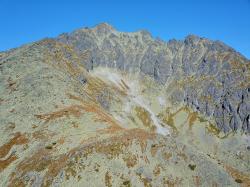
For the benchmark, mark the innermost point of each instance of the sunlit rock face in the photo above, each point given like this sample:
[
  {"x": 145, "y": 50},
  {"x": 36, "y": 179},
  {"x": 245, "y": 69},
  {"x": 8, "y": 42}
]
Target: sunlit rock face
[
  {"x": 99, "y": 107},
  {"x": 207, "y": 75}
]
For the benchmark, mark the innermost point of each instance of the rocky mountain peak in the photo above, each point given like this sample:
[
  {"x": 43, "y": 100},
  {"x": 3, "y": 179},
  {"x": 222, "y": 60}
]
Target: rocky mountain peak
[
  {"x": 103, "y": 28},
  {"x": 163, "y": 113},
  {"x": 192, "y": 39},
  {"x": 213, "y": 62}
]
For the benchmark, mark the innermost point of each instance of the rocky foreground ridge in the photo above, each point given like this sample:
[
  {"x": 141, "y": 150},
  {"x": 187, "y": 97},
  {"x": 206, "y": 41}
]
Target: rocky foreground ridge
[{"x": 99, "y": 107}]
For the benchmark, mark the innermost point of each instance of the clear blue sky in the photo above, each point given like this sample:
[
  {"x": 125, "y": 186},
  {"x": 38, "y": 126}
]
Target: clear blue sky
[{"x": 24, "y": 21}]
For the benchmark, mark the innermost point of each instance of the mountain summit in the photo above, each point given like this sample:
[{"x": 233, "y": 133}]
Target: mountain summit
[
  {"x": 221, "y": 72},
  {"x": 100, "y": 107}
]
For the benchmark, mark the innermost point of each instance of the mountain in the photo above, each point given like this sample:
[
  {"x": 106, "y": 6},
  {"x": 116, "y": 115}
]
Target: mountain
[{"x": 99, "y": 107}]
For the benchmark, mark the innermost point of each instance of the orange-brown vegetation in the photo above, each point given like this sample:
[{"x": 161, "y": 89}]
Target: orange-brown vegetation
[
  {"x": 4, "y": 163},
  {"x": 197, "y": 180},
  {"x": 130, "y": 160},
  {"x": 95, "y": 86},
  {"x": 78, "y": 110},
  {"x": 182, "y": 155},
  {"x": 108, "y": 179},
  {"x": 41, "y": 134},
  {"x": 101, "y": 115},
  {"x": 43, "y": 159},
  {"x": 18, "y": 139},
  {"x": 11, "y": 85},
  {"x": 172, "y": 182},
  {"x": 192, "y": 117},
  {"x": 144, "y": 117},
  {"x": 74, "y": 110},
  {"x": 157, "y": 170},
  {"x": 167, "y": 155},
  {"x": 240, "y": 177},
  {"x": 39, "y": 161},
  {"x": 155, "y": 148}
]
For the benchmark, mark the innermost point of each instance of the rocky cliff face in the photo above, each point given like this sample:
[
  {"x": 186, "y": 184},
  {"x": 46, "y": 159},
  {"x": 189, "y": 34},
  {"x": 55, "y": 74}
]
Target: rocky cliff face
[
  {"x": 207, "y": 75},
  {"x": 98, "y": 107}
]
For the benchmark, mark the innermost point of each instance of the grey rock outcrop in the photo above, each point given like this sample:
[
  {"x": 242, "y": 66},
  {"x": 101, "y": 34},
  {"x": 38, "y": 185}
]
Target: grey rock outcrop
[{"x": 210, "y": 76}]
